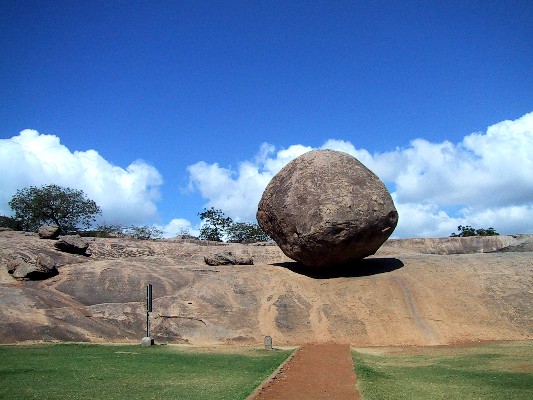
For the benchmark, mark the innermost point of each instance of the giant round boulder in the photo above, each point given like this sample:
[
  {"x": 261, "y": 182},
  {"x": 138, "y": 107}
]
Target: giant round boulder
[{"x": 325, "y": 208}]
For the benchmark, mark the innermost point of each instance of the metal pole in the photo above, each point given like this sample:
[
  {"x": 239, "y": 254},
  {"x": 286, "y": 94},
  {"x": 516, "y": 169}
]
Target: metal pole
[
  {"x": 147, "y": 324},
  {"x": 148, "y": 341},
  {"x": 148, "y": 308}
]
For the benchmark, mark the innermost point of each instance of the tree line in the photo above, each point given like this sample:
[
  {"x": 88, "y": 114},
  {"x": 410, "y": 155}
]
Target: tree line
[{"x": 73, "y": 212}]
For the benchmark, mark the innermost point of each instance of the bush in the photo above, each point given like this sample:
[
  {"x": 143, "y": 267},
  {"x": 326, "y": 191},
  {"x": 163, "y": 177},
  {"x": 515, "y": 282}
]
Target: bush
[
  {"x": 117, "y": 231},
  {"x": 11, "y": 223},
  {"x": 143, "y": 232}
]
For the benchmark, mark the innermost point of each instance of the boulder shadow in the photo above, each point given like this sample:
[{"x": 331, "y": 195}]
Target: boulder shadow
[
  {"x": 41, "y": 276},
  {"x": 365, "y": 267}
]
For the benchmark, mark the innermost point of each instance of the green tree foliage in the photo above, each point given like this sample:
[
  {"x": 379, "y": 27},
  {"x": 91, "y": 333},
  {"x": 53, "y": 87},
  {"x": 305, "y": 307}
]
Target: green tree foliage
[
  {"x": 467, "y": 230},
  {"x": 52, "y": 204},
  {"x": 9, "y": 222},
  {"x": 246, "y": 232},
  {"x": 214, "y": 224},
  {"x": 217, "y": 226}
]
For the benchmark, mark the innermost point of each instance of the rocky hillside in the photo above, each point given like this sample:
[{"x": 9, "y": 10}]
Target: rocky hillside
[{"x": 416, "y": 291}]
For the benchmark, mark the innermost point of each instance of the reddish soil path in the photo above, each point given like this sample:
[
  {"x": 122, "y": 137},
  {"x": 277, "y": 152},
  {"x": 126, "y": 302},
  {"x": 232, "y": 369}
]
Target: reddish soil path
[{"x": 317, "y": 371}]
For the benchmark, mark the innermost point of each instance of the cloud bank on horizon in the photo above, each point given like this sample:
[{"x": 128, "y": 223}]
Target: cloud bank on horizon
[
  {"x": 126, "y": 196},
  {"x": 486, "y": 180}
]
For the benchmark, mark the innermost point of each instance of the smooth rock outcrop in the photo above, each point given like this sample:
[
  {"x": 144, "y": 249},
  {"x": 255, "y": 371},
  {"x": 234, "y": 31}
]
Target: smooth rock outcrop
[
  {"x": 401, "y": 298},
  {"x": 48, "y": 232},
  {"x": 326, "y": 208}
]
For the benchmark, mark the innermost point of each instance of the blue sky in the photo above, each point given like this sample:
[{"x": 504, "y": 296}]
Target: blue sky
[{"x": 158, "y": 109}]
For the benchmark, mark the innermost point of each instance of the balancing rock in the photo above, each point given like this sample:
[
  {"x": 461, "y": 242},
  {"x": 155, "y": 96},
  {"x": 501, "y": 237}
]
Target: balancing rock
[{"x": 325, "y": 208}]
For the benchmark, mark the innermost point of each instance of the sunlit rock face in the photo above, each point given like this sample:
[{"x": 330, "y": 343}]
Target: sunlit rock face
[{"x": 325, "y": 208}]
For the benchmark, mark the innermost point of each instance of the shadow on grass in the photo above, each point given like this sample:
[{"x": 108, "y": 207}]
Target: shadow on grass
[{"x": 365, "y": 267}]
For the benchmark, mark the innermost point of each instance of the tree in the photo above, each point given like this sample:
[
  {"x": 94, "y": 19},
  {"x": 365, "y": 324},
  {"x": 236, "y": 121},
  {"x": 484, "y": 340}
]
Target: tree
[
  {"x": 246, "y": 232},
  {"x": 217, "y": 226},
  {"x": 214, "y": 224},
  {"x": 467, "y": 230},
  {"x": 52, "y": 204}
]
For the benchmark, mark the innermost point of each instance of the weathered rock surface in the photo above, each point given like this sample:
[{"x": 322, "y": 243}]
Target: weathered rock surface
[
  {"x": 228, "y": 258},
  {"x": 400, "y": 296},
  {"x": 72, "y": 244},
  {"x": 29, "y": 268},
  {"x": 48, "y": 232},
  {"x": 326, "y": 208}
]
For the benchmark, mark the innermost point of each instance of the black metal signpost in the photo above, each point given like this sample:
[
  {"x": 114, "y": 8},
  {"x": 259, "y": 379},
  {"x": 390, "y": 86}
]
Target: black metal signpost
[
  {"x": 148, "y": 308},
  {"x": 148, "y": 341}
]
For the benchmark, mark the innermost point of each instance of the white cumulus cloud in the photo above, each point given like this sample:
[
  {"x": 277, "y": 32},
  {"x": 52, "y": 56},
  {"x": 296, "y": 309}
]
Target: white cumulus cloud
[
  {"x": 178, "y": 226},
  {"x": 486, "y": 180},
  {"x": 126, "y": 196}
]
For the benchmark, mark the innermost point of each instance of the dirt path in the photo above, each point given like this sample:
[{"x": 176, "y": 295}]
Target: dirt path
[{"x": 317, "y": 371}]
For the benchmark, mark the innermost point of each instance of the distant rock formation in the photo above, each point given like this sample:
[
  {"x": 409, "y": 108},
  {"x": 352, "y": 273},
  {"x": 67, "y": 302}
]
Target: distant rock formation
[
  {"x": 326, "y": 208},
  {"x": 48, "y": 232}
]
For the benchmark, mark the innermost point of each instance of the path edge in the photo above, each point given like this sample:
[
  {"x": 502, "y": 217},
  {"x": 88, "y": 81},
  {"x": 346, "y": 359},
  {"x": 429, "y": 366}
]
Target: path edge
[
  {"x": 273, "y": 375},
  {"x": 358, "y": 395}
]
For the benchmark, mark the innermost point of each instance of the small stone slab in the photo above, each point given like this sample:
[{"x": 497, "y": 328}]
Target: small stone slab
[
  {"x": 228, "y": 258},
  {"x": 73, "y": 244}
]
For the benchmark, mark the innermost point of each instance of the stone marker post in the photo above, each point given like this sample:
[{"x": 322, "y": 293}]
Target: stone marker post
[{"x": 268, "y": 343}]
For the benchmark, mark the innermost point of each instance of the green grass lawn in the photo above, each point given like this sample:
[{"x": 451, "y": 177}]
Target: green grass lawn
[
  {"x": 494, "y": 371},
  {"x": 80, "y": 371}
]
